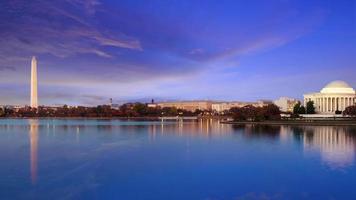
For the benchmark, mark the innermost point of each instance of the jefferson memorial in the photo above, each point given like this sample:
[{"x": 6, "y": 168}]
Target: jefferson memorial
[{"x": 336, "y": 95}]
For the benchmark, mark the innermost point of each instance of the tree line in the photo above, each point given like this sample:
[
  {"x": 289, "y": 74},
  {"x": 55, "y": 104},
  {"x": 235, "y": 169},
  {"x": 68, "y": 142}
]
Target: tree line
[
  {"x": 310, "y": 109},
  {"x": 252, "y": 113},
  {"x": 126, "y": 110},
  {"x": 247, "y": 113}
]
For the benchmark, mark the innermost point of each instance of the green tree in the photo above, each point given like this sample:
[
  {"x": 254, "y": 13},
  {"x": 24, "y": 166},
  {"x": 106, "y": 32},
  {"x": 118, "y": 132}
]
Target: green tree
[
  {"x": 301, "y": 110},
  {"x": 271, "y": 112},
  {"x": 351, "y": 111},
  {"x": 296, "y": 108},
  {"x": 2, "y": 112},
  {"x": 310, "y": 107}
]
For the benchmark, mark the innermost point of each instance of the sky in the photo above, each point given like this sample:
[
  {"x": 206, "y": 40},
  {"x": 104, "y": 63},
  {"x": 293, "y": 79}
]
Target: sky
[{"x": 136, "y": 50}]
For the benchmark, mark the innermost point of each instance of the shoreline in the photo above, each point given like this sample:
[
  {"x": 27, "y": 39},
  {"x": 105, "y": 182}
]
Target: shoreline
[
  {"x": 338, "y": 122},
  {"x": 314, "y": 122}
]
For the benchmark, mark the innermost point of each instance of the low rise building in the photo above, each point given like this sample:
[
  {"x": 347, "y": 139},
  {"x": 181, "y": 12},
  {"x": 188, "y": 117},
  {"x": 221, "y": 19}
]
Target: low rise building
[
  {"x": 188, "y": 105},
  {"x": 286, "y": 104},
  {"x": 225, "y": 106}
]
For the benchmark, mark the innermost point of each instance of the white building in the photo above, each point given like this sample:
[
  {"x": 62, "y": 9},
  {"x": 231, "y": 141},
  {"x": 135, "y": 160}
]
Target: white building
[
  {"x": 286, "y": 104},
  {"x": 335, "y": 96},
  {"x": 225, "y": 106},
  {"x": 187, "y": 105}
]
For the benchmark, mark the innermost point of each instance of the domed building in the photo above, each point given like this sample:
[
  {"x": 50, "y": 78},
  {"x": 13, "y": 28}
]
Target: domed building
[{"x": 335, "y": 96}]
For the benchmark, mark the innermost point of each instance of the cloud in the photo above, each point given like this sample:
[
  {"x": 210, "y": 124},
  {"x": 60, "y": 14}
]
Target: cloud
[
  {"x": 58, "y": 29},
  {"x": 89, "y": 5},
  {"x": 6, "y": 68},
  {"x": 124, "y": 48}
]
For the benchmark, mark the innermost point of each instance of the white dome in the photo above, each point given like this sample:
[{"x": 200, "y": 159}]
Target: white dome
[{"x": 338, "y": 87}]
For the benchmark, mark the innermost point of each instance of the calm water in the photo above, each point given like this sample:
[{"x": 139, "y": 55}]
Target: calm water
[{"x": 112, "y": 159}]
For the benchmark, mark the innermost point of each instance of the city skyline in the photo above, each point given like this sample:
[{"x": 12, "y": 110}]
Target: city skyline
[{"x": 91, "y": 51}]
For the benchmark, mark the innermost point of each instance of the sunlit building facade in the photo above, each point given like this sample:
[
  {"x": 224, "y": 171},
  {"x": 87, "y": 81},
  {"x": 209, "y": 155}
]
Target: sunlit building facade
[
  {"x": 225, "y": 106},
  {"x": 188, "y": 105},
  {"x": 286, "y": 104}
]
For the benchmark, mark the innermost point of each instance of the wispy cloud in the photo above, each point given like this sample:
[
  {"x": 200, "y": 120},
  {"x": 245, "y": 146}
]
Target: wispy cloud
[
  {"x": 7, "y": 68},
  {"x": 55, "y": 28},
  {"x": 125, "y": 48}
]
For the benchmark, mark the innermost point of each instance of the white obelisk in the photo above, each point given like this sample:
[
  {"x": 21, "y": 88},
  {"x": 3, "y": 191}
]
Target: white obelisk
[{"x": 34, "y": 97}]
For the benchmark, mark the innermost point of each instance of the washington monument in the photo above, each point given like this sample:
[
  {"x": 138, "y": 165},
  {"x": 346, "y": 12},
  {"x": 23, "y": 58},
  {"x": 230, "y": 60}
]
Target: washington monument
[{"x": 34, "y": 97}]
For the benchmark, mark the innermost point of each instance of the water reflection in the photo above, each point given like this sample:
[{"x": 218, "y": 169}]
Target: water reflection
[
  {"x": 33, "y": 133},
  {"x": 203, "y": 127},
  {"x": 335, "y": 144},
  {"x": 259, "y": 131}
]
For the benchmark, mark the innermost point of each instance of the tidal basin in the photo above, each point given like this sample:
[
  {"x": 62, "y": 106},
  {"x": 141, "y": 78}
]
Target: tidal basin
[{"x": 204, "y": 159}]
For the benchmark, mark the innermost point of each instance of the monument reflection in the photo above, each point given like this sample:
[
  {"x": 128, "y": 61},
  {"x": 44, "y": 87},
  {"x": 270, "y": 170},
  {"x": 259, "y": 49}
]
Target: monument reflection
[{"x": 33, "y": 133}]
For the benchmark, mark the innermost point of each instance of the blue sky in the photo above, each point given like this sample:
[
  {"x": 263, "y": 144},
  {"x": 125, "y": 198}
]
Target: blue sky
[{"x": 90, "y": 51}]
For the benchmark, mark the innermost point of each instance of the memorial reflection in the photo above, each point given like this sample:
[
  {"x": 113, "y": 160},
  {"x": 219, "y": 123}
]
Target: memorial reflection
[{"x": 335, "y": 144}]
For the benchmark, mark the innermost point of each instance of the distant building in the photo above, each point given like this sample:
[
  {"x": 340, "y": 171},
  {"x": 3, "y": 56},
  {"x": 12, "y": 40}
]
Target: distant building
[
  {"x": 11, "y": 107},
  {"x": 110, "y": 102},
  {"x": 286, "y": 104},
  {"x": 335, "y": 96},
  {"x": 188, "y": 105},
  {"x": 115, "y": 106},
  {"x": 225, "y": 106},
  {"x": 152, "y": 104}
]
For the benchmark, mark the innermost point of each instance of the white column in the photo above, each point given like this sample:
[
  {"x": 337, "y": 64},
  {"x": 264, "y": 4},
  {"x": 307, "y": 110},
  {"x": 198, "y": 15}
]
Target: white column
[
  {"x": 347, "y": 102},
  {"x": 332, "y": 104},
  {"x": 327, "y": 104},
  {"x": 319, "y": 104},
  {"x": 323, "y": 109},
  {"x": 342, "y": 103},
  {"x": 338, "y": 103}
]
